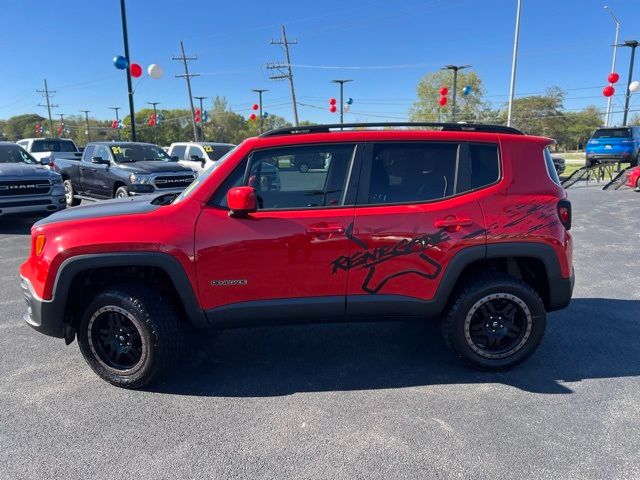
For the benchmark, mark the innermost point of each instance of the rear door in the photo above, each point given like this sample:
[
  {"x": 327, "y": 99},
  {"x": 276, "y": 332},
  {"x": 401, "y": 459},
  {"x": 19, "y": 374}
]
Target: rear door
[{"x": 415, "y": 210}]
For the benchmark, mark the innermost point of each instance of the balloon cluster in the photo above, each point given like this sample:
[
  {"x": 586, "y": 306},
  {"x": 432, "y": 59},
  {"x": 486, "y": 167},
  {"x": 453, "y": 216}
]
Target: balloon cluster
[
  {"x": 466, "y": 90},
  {"x": 117, "y": 124},
  {"x": 332, "y": 105},
  {"x": 155, "y": 119},
  {"x": 608, "y": 91},
  {"x": 121, "y": 63},
  {"x": 347, "y": 104},
  {"x": 442, "y": 101}
]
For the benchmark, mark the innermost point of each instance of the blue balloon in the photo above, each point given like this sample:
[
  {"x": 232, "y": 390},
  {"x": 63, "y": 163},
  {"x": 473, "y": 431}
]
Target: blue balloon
[
  {"x": 349, "y": 101},
  {"x": 120, "y": 62},
  {"x": 265, "y": 114},
  {"x": 466, "y": 90}
]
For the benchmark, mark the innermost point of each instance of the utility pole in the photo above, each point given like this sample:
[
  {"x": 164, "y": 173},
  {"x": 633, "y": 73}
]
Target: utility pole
[
  {"x": 125, "y": 37},
  {"x": 284, "y": 70},
  {"x": 341, "y": 82},
  {"x": 48, "y": 93},
  {"x": 86, "y": 116},
  {"x": 201, "y": 117},
  {"x": 155, "y": 124},
  {"x": 514, "y": 61},
  {"x": 187, "y": 76},
  {"x": 633, "y": 44},
  {"x": 61, "y": 123},
  {"x": 260, "y": 91},
  {"x": 117, "y": 119},
  {"x": 455, "y": 69},
  {"x": 613, "y": 65}
]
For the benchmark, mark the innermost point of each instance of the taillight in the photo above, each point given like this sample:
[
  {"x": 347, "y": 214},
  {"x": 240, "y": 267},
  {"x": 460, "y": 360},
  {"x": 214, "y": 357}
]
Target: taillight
[
  {"x": 564, "y": 213},
  {"x": 40, "y": 241}
]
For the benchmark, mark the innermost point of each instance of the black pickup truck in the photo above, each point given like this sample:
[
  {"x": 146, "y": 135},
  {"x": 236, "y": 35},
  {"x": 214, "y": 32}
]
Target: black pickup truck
[{"x": 120, "y": 169}]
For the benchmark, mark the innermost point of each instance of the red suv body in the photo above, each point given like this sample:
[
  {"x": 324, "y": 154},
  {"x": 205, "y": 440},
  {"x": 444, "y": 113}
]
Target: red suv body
[{"x": 467, "y": 222}]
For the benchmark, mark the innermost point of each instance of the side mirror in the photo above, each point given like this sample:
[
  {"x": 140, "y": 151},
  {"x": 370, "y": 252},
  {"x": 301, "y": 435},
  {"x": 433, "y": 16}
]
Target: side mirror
[
  {"x": 175, "y": 158},
  {"x": 241, "y": 201},
  {"x": 196, "y": 158},
  {"x": 46, "y": 161},
  {"x": 99, "y": 161}
]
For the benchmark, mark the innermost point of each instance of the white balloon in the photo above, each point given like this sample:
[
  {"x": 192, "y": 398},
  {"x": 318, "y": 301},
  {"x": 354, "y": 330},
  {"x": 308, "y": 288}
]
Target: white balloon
[
  {"x": 155, "y": 71},
  {"x": 634, "y": 86},
  {"x": 347, "y": 107}
]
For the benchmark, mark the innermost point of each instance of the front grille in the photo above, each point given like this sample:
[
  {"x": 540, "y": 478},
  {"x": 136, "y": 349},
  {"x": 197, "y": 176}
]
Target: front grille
[
  {"x": 175, "y": 181},
  {"x": 11, "y": 188},
  {"x": 25, "y": 203}
]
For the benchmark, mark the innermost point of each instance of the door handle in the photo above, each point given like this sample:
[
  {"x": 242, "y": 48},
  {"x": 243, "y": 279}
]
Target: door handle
[
  {"x": 453, "y": 224},
  {"x": 81, "y": 168},
  {"x": 325, "y": 229}
]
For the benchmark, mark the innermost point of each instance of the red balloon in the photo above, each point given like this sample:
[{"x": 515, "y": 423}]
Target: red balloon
[
  {"x": 608, "y": 91},
  {"x": 136, "y": 70},
  {"x": 613, "y": 77},
  {"x": 333, "y": 109},
  {"x": 332, "y": 101},
  {"x": 255, "y": 106},
  {"x": 444, "y": 91},
  {"x": 252, "y": 116},
  {"x": 442, "y": 101}
]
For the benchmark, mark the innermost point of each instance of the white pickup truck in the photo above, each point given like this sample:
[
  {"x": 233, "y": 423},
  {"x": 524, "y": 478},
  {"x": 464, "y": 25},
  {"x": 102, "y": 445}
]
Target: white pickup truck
[{"x": 46, "y": 150}]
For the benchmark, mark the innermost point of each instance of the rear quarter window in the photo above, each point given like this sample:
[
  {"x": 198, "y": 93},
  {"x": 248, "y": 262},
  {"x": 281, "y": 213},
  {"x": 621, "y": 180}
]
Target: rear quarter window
[
  {"x": 551, "y": 169},
  {"x": 485, "y": 164}
]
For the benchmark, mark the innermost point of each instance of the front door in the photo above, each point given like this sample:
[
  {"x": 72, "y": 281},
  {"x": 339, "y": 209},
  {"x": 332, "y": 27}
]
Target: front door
[
  {"x": 416, "y": 209},
  {"x": 94, "y": 175},
  {"x": 277, "y": 261}
]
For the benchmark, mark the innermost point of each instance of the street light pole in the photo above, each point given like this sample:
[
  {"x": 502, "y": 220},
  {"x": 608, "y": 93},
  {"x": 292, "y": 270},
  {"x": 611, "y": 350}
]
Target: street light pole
[
  {"x": 455, "y": 69},
  {"x": 260, "y": 91},
  {"x": 201, "y": 117},
  {"x": 117, "y": 120},
  {"x": 633, "y": 44},
  {"x": 341, "y": 82},
  {"x": 86, "y": 117},
  {"x": 613, "y": 65},
  {"x": 155, "y": 124},
  {"x": 514, "y": 62},
  {"x": 125, "y": 37}
]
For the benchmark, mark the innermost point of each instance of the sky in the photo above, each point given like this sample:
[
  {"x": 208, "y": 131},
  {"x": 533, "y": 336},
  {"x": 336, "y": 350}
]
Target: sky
[{"x": 384, "y": 46}]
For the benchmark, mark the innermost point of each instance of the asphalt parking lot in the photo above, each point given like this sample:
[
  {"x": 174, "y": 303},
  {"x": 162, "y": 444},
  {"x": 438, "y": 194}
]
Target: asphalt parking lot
[{"x": 353, "y": 401}]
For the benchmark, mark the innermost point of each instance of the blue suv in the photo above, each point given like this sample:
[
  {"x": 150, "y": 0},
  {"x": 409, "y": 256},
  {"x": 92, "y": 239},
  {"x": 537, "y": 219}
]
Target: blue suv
[{"x": 614, "y": 144}]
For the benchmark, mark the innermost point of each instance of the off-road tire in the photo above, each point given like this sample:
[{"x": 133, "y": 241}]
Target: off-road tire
[
  {"x": 121, "y": 192},
  {"x": 156, "y": 321},
  {"x": 456, "y": 331},
  {"x": 69, "y": 194}
]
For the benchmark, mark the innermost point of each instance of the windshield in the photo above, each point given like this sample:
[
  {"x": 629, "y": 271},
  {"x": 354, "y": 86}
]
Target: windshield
[
  {"x": 202, "y": 177},
  {"x": 612, "y": 133},
  {"x": 139, "y": 153},
  {"x": 216, "y": 152},
  {"x": 15, "y": 154},
  {"x": 53, "y": 146}
]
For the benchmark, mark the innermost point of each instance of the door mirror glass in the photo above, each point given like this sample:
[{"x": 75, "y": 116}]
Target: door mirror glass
[{"x": 241, "y": 201}]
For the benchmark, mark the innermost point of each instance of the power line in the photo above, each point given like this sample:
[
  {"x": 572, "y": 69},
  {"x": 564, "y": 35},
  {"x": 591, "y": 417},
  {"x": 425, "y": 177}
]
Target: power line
[
  {"x": 48, "y": 93},
  {"x": 284, "y": 70},
  {"x": 187, "y": 76}
]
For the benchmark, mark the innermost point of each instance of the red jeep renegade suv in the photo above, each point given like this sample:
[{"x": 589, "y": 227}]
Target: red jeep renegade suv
[{"x": 462, "y": 222}]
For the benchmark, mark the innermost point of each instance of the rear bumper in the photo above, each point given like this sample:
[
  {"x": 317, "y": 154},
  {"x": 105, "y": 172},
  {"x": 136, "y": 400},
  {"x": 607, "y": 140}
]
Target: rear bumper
[
  {"x": 32, "y": 205},
  {"x": 45, "y": 316},
  {"x": 625, "y": 156},
  {"x": 560, "y": 291}
]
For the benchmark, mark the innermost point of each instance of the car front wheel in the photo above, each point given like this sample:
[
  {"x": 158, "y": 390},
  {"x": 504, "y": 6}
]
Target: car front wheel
[
  {"x": 69, "y": 194},
  {"x": 122, "y": 192},
  {"x": 495, "y": 322},
  {"x": 129, "y": 335}
]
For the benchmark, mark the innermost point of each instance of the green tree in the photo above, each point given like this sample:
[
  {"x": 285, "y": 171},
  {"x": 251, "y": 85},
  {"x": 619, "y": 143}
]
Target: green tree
[
  {"x": 469, "y": 107},
  {"x": 22, "y": 126},
  {"x": 580, "y": 126}
]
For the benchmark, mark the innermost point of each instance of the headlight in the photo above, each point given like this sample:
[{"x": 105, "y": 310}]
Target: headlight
[
  {"x": 57, "y": 180},
  {"x": 139, "y": 179}
]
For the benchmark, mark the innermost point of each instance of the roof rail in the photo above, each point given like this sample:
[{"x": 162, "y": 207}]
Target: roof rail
[{"x": 450, "y": 127}]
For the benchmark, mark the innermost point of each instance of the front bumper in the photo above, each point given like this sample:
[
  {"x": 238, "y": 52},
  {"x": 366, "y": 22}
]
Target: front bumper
[
  {"x": 45, "y": 316},
  {"x": 32, "y": 205}
]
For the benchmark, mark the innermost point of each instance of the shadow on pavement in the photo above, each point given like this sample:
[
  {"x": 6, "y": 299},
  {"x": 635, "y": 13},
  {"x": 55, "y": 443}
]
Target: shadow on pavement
[
  {"x": 594, "y": 338},
  {"x": 14, "y": 225}
]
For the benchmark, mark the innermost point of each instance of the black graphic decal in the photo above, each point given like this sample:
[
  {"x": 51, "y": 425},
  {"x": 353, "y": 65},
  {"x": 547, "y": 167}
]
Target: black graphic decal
[{"x": 369, "y": 258}]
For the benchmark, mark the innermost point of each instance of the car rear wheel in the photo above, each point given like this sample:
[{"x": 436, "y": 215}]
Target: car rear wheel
[
  {"x": 495, "y": 322},
  {"x": 69, "y": 194},
  {"x": 129, "y": 335},
  {"x": 122, "y": 192}
]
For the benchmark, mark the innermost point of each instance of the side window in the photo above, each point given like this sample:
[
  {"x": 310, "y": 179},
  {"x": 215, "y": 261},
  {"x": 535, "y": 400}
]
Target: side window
[
  {"x": 88, "y": 153},
  {"x": 485, "y": 164},
  {"x": 101, "y": 151},
  {"x": 413, "y": 172},
  {"x": 551, "y": 168},
  {"x": 194, "y": 150},
  {"x": 280, "y": 183},
  {"x": 179, "y": 151}
]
